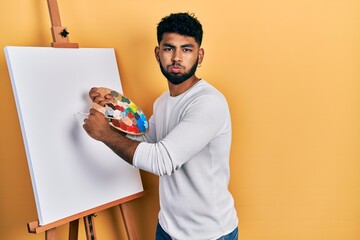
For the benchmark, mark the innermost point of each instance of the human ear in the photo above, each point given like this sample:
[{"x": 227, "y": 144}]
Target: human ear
[
  {"x": 201, "y": 56},
  {"x": 156, "y": 52}
]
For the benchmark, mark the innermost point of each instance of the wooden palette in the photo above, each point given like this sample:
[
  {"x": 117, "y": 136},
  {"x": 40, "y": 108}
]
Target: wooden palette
[{"x": 123, "y": 114}]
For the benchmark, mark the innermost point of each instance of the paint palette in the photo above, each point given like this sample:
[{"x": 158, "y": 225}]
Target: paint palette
[{"x": 123, "y": 114}]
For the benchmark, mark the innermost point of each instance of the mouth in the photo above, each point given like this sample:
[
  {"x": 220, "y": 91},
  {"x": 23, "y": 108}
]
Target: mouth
[{"x": 175, "y": 68}]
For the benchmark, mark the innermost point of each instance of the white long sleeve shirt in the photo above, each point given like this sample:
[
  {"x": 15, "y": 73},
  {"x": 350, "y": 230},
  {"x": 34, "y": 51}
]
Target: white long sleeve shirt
[{"x": 188, "y": 146}]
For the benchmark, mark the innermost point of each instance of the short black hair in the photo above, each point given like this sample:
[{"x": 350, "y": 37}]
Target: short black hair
[{"x": 185, "y": 24}]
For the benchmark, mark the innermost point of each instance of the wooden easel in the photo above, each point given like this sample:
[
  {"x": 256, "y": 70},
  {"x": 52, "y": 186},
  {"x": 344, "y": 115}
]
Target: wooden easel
[
  {"x": 61, "y": 40},
  {"x": 88, "y": 217},
  {"x": 59, "y": 33}
]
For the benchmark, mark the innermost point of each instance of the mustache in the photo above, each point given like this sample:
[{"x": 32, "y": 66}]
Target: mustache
[{"x": 176, "y": 65}]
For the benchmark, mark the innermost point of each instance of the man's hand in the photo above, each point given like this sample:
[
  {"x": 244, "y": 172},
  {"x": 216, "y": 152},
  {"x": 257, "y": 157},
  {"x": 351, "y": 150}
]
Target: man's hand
[
  {"x": 100, "y": 97},
  {"x": 97, "y": 126}
]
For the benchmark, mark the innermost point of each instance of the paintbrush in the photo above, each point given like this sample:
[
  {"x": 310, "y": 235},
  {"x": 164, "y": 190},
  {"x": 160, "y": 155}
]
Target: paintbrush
[{"x": 87, "y": 114}]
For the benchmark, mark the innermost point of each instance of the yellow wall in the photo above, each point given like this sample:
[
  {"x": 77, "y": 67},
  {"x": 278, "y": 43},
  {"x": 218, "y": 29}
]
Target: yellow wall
[{"x": 290, "y": 71}]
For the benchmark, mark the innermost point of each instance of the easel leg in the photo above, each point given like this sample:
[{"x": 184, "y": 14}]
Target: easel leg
[
  {"x": 130, "y": 229},
  {"x": 74, "y": 230},
  {"x": 90, "y": 227},
  {"x": 50, "y": 234}
]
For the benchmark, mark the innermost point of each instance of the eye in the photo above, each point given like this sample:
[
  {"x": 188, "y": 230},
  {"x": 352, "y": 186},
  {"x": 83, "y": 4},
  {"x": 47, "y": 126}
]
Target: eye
[
  {"x": 167, "y": 49},
  {"x": 187, "y": 49}
]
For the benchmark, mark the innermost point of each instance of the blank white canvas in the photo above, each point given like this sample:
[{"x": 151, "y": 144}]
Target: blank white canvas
[{"x": 70, "y": 171}]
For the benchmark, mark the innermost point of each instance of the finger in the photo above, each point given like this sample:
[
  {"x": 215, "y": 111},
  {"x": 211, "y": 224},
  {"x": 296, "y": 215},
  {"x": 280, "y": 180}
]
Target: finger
[
  {"x": 104, "y": 102},
  {"x": 85, "y": 127},
  {"x": 94, "y": 89},
  {"x": 93, "y": 111},
  {"x": 109, "y": 96},
  {"x": 94, "y": 95},
  {"x": 100, "y": 100}
]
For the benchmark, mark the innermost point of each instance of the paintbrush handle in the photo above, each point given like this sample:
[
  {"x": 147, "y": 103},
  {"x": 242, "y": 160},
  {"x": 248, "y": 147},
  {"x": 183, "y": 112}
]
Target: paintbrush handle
[{"x": 87, "y": 114}]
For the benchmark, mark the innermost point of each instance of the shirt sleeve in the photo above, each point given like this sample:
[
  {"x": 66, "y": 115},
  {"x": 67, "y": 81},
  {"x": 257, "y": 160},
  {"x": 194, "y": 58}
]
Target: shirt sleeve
[{"x": 202, "y": 120}]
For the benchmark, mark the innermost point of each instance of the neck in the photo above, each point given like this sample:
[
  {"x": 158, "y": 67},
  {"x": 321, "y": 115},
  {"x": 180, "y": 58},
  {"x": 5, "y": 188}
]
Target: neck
[{"x": 176, "y": 90}]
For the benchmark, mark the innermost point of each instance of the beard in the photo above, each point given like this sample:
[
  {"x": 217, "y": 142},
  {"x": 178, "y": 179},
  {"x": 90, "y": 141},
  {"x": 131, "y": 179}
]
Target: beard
[{"x": 177, "y": 78}]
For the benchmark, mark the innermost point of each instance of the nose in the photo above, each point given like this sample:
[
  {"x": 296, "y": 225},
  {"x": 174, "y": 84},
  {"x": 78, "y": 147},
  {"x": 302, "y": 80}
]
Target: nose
[{"x": 177, "y": 55}]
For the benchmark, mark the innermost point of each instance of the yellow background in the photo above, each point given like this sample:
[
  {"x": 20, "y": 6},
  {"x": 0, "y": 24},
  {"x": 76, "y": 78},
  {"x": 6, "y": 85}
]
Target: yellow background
[{"x": 291, "y": 73}]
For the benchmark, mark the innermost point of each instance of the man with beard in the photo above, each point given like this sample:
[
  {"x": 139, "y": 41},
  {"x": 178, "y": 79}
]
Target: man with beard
[{"x": 188, "y": 142}]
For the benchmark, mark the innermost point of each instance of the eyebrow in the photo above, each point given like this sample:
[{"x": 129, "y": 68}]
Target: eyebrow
[{"x": 182, "y": 46}]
